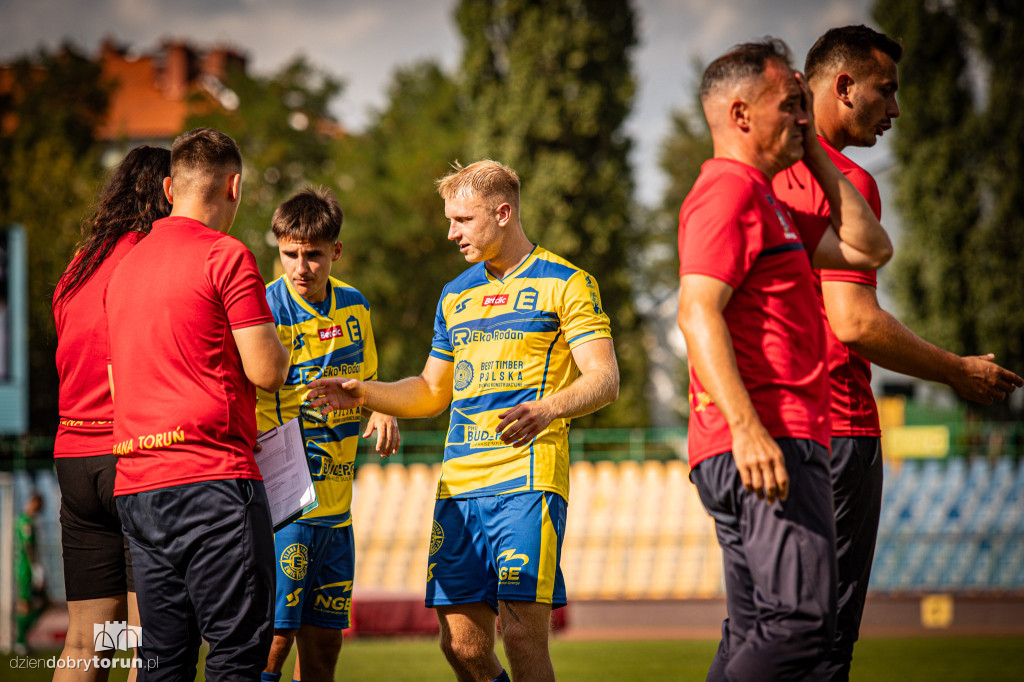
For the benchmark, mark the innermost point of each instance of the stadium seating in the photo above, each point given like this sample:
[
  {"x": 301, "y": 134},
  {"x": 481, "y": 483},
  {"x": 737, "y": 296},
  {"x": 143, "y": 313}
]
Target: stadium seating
[
  {"x": 634, "y": 530},
  {"x": 637, "y": 530},
  {"x": 953, "y": 525}
]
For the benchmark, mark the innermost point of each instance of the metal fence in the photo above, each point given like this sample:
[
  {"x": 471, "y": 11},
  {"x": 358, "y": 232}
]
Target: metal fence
[{"x": 991, "y": 440}]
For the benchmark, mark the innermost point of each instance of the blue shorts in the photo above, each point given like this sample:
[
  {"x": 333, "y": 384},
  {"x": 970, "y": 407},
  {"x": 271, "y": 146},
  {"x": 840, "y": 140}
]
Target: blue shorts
[
  {"x": 506, "y": 547},
  {"x": 315, "y": 565}
]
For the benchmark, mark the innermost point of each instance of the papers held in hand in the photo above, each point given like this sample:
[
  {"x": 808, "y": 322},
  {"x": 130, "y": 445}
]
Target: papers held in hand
[{"x": 282, "y": 463}]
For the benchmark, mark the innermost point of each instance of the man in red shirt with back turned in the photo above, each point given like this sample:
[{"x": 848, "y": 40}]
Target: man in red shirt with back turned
[
  {"x": 191, "y": 336},
  {"x": 852, "y": 74},
  {"x": 758, "y": 435}
]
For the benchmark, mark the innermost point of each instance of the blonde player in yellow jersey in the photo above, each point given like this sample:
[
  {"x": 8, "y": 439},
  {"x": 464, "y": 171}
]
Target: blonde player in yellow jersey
[
  {"x": 521, "y": 346},
  {"x": 325, "y": 325}
]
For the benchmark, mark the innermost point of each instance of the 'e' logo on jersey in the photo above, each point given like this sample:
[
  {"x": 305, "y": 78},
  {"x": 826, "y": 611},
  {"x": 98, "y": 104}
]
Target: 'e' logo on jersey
[
  {"x": 353, "y": 328},
  {"x": 460, "y": 337},
  {"x": 526, "y": 300}
]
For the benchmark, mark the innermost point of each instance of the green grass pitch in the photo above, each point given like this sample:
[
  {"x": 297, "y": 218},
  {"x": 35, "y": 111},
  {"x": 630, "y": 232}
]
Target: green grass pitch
[{"x": 950, "y": 659}]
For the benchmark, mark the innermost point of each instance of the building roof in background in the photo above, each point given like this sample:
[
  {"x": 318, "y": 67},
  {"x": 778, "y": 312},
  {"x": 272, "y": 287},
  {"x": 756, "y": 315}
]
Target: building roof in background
[{"x": 150, "y": 97}]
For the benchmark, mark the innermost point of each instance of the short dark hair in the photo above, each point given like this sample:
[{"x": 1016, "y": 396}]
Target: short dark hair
[
  {"x": 203, "y": 153},
  {"x": 312, "y": 215},
  {"x": 743, "y": 61},
  {"x": 848, "y": 47}
]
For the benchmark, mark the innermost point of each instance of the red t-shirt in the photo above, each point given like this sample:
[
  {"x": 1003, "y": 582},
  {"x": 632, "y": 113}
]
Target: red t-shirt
[
  {"x": 86, "y": 410},
  {"x": 184, "y": 410},
  {"x": 853, "y": 410},
  {"x": 732, "y": 228}
]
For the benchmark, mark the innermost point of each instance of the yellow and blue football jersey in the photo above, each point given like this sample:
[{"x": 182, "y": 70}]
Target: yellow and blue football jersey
[
  {"x": 511, "y": 341},
  {"x": 333, "y": 339}
]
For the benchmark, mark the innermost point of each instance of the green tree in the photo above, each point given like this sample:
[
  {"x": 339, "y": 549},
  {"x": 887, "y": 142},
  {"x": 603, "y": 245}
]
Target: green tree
[
  {"x": 686, "y": 146},
  {"x": 549, "y": 85},
  {"x": 960, "y": 173},
  {"x": 48, "y": 179},
  {"x": 287, "y": 137},
  {"x": 395, "y": 235}
]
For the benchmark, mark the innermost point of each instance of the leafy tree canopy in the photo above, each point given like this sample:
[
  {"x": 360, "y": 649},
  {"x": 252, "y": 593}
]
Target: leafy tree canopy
[
  {"x": 549, "y": 85},
  {"x": 50, "y": 173},
  {"x": 960, "y": 174}
]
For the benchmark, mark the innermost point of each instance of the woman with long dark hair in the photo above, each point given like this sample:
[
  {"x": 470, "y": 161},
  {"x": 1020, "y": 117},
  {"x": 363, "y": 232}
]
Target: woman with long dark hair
[{"x": 97, "y": 568}]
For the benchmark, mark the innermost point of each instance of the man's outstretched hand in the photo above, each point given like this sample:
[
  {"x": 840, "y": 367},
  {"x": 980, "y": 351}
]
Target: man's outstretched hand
[
  {"x": 336, "y": 394},
  {"x": 983, "y": 381}
]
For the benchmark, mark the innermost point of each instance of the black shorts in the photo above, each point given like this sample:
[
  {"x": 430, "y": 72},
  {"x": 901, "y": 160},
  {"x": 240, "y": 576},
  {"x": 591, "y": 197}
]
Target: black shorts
[
  {"x": 205, "y": 567},
  {"x": 96, "y": 559}
]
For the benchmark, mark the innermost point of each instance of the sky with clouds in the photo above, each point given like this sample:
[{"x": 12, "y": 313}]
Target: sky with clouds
[{"x": 362, "y": 41}]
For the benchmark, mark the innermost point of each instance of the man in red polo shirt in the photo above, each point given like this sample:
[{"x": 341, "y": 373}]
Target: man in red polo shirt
[
  {"x": 852, "y": 73},
  {"x": 758, "y": 435},
  {"x": 190, "y": 335}
]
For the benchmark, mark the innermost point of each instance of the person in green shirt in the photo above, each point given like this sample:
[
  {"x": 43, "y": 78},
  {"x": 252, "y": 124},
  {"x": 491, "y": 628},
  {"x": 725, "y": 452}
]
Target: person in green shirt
[{"x": 28, "y": 571}]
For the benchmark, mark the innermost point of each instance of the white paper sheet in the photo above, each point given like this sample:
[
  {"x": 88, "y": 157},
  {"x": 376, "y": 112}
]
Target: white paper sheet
[{"x": 282, "y": 463}]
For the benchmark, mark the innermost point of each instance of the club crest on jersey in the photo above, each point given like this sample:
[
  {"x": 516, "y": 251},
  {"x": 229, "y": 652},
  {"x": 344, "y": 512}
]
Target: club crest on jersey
[
  {"x": 497, "y": 299},
  {"x": 787, "y": 230},
  {"x": 294, "y": 561},
  {"x": 436, "y": 538},
  {"x": 463, "y": 375},
  {"x": 527, "y": 299}
]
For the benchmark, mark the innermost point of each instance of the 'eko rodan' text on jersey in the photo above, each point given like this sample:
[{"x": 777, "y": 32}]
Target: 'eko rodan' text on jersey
[
  {"x": 511, "y": 342},
  {"x": 732, "y": 228},
  {"x": 335, "y": 343},
  {"x": 853, "y": 404}
]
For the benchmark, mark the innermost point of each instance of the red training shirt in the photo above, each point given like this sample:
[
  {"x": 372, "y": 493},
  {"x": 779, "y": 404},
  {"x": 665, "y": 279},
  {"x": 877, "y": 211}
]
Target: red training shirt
[
  {"x": 853, "y": 411},
  {"x": 732, "y": 228},
  {"x": 184, "y": 410},
  {"x": 86, "y": 411}
]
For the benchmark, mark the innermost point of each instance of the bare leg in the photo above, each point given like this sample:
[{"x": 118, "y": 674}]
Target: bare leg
[
  {"x": 318, "y": 649},
  {"x": 279, "y": 649},
  {"x": 79, "y": 645},
  {"x": 133, "y": 619},
  {"x": 467, "y": 640},
  {"x": 524, "y": 632}
]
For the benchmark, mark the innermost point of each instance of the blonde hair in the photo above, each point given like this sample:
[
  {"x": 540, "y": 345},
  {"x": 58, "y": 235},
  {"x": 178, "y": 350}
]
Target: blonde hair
[{"x": 484, "y": 179}]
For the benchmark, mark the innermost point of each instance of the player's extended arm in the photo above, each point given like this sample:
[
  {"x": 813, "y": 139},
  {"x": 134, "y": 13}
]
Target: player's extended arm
[
  {"x": 426, "y": 395},
  {"x": 596, "y": 386},
  {"x": 857, "y": 241},
  {"x": 264, "y": 359},
  {"x": 388, "y": 436},
  {"x": 859, "y": 322},
  {"x": 709, "y": 347}
]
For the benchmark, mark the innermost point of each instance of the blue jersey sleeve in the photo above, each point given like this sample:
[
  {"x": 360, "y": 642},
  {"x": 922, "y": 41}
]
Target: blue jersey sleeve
[{"x": 441, "y": 344}]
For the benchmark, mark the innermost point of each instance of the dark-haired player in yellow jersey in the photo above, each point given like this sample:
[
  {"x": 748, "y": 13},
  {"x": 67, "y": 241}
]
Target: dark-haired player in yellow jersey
[{"x": 325, "y": 325}]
